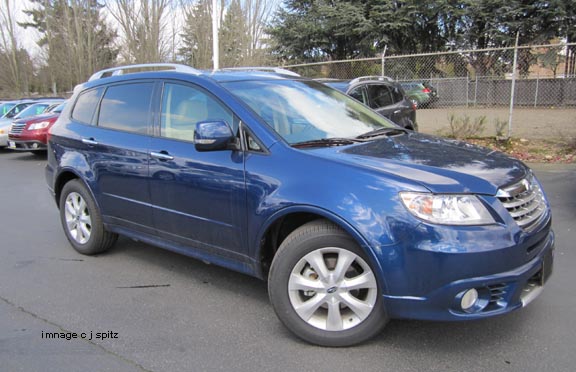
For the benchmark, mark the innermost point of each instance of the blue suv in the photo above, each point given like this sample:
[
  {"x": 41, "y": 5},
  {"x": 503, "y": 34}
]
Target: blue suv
[{"x": 350, "y": 218}]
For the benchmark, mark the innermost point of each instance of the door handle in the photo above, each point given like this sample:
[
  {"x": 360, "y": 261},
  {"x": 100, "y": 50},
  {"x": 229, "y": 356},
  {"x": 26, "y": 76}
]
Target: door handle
[
  {"x": 162, "y": 155},
  {"x": 89, "y": 141}
]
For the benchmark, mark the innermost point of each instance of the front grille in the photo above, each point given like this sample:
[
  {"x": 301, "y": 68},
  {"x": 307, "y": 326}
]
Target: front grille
[
  {"x": 17, "y": 128},
  {"x": 525, "y": 203}
]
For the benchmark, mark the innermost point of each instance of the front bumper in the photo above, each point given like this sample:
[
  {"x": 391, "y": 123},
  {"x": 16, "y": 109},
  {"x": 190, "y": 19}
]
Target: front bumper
[
  {"x": 498, "y": 293},
  {"x": 32, "y": 145}
]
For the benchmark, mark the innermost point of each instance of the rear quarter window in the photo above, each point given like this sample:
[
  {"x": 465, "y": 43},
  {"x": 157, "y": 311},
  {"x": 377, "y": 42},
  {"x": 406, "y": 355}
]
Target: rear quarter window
[{"x": 86, "y": 105}]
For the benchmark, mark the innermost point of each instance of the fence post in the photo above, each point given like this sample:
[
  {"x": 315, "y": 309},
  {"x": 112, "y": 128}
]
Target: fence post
[
  {"x": 467, "y": 88},
  {"x": 514, "y": 66},
  {"x": 537, "y": 87},
  {"x": 475, "y": 90},
  {"x": 384, "y": 60}
]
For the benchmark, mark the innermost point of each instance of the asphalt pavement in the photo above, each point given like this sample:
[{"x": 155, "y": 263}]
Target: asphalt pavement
[{"x": 140, "y": 308}]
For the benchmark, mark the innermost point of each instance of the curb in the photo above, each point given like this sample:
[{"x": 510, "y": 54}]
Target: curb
[{"x": 558, "y": 167}]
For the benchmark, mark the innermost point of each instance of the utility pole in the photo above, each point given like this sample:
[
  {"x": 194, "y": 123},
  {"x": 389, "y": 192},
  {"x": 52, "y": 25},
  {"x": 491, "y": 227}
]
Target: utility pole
[
  {"x": 514, "y": 67},
  {"x": 215, "y": 42}
]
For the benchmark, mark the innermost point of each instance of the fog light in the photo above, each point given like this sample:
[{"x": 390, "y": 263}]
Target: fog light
[
  {"x": 469, "y": 299},
  {"x": 34, "y": 145}
]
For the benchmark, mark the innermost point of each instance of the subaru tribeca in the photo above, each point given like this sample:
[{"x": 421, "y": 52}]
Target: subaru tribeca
[{"x": 351, "y": 219}]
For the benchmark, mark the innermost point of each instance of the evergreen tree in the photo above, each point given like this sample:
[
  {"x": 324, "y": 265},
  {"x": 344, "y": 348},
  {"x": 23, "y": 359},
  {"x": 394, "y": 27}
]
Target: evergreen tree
[
  {"x": 316, "y": 30},
  {"x": 197, "y": 35},
  {"x": 234, "y": 36}
]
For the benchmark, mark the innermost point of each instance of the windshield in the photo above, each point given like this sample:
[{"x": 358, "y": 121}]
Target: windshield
[
  {"x": 5, "y": 108},
  {"x": 32, "y": 110},
  {"x": 58, "y": 109},
  {"x": 301, "y": 111}
]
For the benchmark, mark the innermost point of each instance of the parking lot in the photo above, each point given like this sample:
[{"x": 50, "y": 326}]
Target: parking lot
[{"x": 160, "y": 311}]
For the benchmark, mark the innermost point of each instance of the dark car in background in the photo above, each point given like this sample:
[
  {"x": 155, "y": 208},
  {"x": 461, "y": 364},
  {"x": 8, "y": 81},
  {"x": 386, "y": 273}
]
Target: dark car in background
[
  {"x": 422, "y": 94},
  {"x": 31, "y": 134},
  {"x": 383, "y": 95}
]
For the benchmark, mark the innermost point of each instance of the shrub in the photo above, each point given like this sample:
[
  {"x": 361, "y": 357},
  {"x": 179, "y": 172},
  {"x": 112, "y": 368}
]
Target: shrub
[{"x": 464, "y": 127}]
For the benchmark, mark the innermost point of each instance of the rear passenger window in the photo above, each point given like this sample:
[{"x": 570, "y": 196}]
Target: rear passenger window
[
  {"x": 379, "y": 96},
  {"x": 86, "y": 104},
  {"x": 126, "y": 107},
  {"x": 397, "y": 94}
]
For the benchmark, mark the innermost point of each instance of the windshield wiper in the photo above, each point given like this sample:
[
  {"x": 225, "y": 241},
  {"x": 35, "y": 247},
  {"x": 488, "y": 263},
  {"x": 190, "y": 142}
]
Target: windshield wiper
[
  {"x": 382, "y": 132},
  {"x": 334, "y": 141}
]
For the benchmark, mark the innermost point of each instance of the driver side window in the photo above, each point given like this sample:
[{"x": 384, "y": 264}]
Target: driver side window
[{"x": 183, "y": 106}]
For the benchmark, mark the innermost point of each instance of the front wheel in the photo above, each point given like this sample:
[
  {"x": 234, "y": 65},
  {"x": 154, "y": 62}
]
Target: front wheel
[
  {"x": 81, "y": 220},
  {"x": 323, "y": 288}
]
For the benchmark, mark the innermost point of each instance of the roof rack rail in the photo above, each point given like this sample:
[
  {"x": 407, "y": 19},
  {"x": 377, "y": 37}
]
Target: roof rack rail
[
  {"x": 114, "y": 71},
  {"x": 277, "y": 70},
  {"x": 375, "y": 77}
]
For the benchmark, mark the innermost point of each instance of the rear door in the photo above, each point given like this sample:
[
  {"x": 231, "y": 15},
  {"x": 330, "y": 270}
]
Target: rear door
[
  {"x": 388, "y": 102},
  {"x": 114, "y": 125},
  {"x": 198, "y": 198},
  {"x": 380, "y": 99}
]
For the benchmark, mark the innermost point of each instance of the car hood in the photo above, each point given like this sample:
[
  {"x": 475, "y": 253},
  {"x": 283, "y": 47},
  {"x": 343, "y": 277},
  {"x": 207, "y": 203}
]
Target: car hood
[
  {"x": 440, "y": 165},
  {"x": 5, "y": 122}
]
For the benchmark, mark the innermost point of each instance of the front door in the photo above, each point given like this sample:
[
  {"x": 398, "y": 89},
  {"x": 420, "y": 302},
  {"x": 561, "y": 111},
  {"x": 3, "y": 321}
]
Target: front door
[{"x": 198, "y": 198}]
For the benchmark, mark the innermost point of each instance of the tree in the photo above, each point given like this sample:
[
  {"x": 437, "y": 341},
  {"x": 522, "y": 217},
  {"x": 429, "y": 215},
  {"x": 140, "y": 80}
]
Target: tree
[
  {"x": 241, "y": 32},
  {"x": 15, "y": 65},
  {"x": 257, "y": 14},
  {"x": 567, "y": 20},
  {"x": 196, "y": 47},
  {"x": 307, "y": 30},
  {"x": 234, "y": 36},
  {"x": 75, "y": 39},
  {"x": 144, "y": 28}
]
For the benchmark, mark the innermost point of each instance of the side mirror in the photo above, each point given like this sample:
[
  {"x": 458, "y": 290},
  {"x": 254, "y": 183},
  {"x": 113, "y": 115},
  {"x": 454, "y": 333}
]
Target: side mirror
[{"x": 213, "y": 136}]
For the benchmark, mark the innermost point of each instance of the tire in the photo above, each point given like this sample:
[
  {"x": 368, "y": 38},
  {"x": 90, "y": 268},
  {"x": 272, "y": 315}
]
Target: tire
[
  {"x": 81, "y": 220},
  {"x": 315, "y": 302}
]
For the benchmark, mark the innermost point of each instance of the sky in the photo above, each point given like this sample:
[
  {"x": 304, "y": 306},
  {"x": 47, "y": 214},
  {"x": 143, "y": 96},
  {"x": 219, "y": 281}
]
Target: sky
[{"x": 28, "y": 36}]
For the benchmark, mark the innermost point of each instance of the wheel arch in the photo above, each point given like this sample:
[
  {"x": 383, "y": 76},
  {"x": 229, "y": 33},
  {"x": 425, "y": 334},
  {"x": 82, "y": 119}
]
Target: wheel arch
[
  {"x": 63, "y": 178},
  {"x": 282, "y": 223}
]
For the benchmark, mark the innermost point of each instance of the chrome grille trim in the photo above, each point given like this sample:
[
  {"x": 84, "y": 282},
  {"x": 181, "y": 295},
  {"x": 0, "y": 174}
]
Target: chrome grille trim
[
  {"x": 17, "y": 128},
  {"x": 525, "y": 203}
]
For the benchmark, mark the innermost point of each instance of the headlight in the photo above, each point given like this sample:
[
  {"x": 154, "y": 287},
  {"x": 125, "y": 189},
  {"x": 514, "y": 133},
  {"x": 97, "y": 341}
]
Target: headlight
[
  {"x": 40, "y": 125},
  {"x": 447, "y": 209}
]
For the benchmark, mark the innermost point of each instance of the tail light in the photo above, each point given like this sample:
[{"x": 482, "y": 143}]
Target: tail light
[{"x": 426, "y": 90}]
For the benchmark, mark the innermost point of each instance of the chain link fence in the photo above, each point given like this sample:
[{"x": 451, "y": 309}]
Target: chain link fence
[{"x": 479, "y": 83}]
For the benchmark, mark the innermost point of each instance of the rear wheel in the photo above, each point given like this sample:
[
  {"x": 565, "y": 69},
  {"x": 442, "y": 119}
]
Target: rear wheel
[
  {"x": 324, "y": 289},
  {"x": 81, "y": 220}
]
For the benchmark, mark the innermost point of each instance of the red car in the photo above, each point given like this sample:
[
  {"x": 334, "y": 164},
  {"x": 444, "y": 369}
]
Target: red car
[{"x": 31, "y": 134}]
